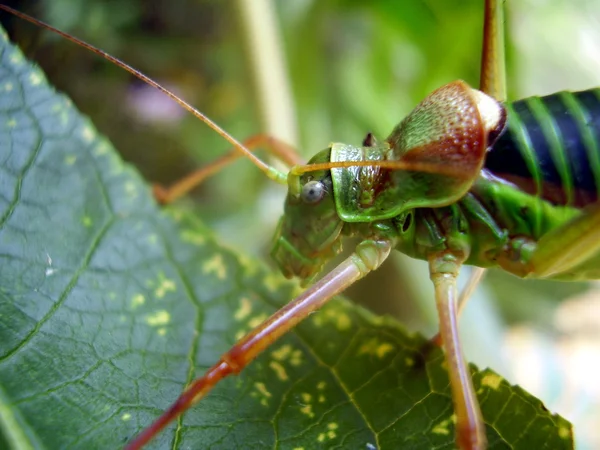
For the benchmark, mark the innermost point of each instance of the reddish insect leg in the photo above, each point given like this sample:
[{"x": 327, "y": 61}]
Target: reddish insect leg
[
  {"x": 470, "y": 428},
  {"x": 475, "y": 277},
  {"x": 279, "y": 149},
  {"x": 368, "y": 256}
]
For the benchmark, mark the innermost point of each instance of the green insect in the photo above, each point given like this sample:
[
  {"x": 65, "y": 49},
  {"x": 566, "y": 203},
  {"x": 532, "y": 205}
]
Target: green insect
[{"x": 464, "y": 179}]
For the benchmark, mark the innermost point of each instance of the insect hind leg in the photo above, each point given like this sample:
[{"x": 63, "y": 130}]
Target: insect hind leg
[
  {"x": 564, "y": 252},
  {"x": 368, "y": 256},
  {"x": 475, "y": 278}
]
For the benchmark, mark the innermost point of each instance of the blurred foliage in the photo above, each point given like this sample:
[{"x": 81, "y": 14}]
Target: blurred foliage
[{"x": 354, "y": 67}]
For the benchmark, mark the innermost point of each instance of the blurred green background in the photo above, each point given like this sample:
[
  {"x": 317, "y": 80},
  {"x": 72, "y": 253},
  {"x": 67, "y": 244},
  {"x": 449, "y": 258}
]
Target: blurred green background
[{"x": 334, "y": 70}]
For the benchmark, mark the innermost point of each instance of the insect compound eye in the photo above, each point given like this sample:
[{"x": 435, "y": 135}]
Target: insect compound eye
[{"x": 313, "y": 191}]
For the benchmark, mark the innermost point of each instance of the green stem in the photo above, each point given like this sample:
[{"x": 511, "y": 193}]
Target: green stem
[{"x": 263, "y": 42}]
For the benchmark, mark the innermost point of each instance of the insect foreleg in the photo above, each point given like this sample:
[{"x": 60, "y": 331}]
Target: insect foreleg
[
  {"x": 475, "y": 277},
  {"x": 282, "y": 151},
  {"x": 470, "y": 434},
  {"x": 368, "y": 256}
]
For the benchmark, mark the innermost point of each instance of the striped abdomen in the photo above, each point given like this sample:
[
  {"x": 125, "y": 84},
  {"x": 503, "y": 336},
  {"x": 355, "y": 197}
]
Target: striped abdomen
[{"x": 551, "y": 147}]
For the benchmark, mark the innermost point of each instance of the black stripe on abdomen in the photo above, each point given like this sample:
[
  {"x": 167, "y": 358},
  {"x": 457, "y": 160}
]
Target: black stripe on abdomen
[{"x": 524, "y": 154}]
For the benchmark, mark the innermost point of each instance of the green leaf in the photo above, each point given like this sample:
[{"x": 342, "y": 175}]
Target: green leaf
[{"x": 109, "y": 306}]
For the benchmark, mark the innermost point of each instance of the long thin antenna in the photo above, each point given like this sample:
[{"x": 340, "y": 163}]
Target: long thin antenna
[
  {"x": 268, "y": 170},
  {"x": 413, "y": 166}
]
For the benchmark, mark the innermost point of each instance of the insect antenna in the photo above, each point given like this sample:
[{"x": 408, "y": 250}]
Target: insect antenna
[
  {"x": 413, "y": 166},
  {"x": 268, "y": 170}
]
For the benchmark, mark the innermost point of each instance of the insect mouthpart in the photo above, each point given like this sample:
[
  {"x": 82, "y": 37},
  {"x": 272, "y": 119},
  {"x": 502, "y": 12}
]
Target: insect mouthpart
[
  {"x": 302, "y": 256},
  {"x": 293, "y": 263}
]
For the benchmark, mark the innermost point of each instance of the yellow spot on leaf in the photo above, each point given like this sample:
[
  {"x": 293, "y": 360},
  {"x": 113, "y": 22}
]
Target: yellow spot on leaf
[
  {"x": 307, "y": 411},
  {"x": 125, "y": 417},
  {"x": 8, "y": 87},
  {"x": 375, "y": 348},
  {"x": 331, "y": 434},
  {"x": 87, "y": 133},
  {"x": 343, "y": 322},
  {"x": 321, "y": 385},
  {"x": 409, "y": 361},
  {"x": 35, "y": 78},
  {"x": 285, "y": 352},
  {"x": 87, "y": 221},
  {"x": 297, "y": 290},
  {"x": 137, "y": 300},
  {"x": 442, "y": 427},
  {"x": 240, "y": 334},
  {"x": 11, "y": 123},
  {"x": 321, "y": 398},
  {"x": 215, "y": 265},
  {"x": 244, "y": 310},
  {"x": 263, "y": 391},
  {"x": 161, "y": 317},
  {"x": 491, "y": 380},
  {"x": 101, "y": 149},
  {"x": 249, "y": 265},
  {"x": 279, "y": 370},
  {"x": 162, "y": 331},
  {"x": 70, "y": 160},
  {"x": 16, "y": 58},
  {"x": 164, "y": 285},
  {"x": 564, "y": 432},
  {"x": 282, "y": 352},
  {"x": 298, "y": 448},
  {"x": 260, "y": 387},
  {"x": 307, "y": 408},
  {"x": 333, "y": 315},
  {"x": 384, "y": 349},
  {"x": 192, "y": 237},
  {"x": 273, "y": 281},
  {"x": 321, "y": 437},
  {"x": 257, "y": 320},
  {"x": 296, "y": 358}
]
